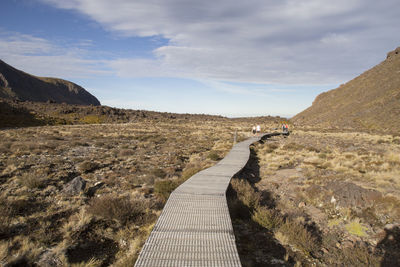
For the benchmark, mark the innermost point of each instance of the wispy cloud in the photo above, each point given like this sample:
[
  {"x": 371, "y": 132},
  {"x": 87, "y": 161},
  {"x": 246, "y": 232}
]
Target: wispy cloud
[
  {"x": 43, "y": 57},
  {"x": 264, "y": 41}
]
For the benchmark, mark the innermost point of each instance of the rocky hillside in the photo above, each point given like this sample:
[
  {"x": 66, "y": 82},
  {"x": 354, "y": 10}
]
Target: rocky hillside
[
  {"x": 370, "y": 102},
  {"x": 18, "y": 85}
]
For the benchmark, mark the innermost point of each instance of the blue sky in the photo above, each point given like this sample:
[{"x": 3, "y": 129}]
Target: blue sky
[{"x": 259, "y": 57}]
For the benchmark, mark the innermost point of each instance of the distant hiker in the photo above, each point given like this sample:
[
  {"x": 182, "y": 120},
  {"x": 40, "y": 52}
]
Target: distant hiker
[
  {"x": 254, "y": 130},
  {"x": 258, "y": 129},
  {"x": 285, "y": 128}
]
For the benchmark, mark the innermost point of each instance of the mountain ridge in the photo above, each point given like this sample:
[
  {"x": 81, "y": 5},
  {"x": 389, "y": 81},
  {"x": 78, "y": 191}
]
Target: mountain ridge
[
  {"x": 16, "y": 84},
  {"x": 370, "y": 102}
]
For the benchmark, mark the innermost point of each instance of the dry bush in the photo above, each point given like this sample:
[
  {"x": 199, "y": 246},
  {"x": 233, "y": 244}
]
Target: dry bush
[
  {"x": 31, "y": 180},
  {"x": 293, "y": 146},
  {"x": 158, "y": 172},
  {"x": 246, "y": 193},
  {"x": 358, "y": 256},
  {"x": 122, "y": 209},
  {"x": 299, "y": 236},
  {"x": 91, "y": 263},
  {"x": 126, "y": 152},
  {"x": 267, "y": 218},
  {"x": 271, "y": 147},
  {"x": 88, "y": 166},
  {"x": 5, "y": 217}
]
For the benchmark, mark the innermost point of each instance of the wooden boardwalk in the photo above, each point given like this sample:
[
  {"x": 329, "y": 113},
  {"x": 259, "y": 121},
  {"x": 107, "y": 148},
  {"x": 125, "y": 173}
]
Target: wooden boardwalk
[{"x": 195, "y": 228}]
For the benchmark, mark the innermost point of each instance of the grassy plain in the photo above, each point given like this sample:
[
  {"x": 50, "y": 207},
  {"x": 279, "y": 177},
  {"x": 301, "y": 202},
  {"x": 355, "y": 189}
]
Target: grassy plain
[
  {"x": 129, "y": 170},
  {"x": 321, "y": 198}
]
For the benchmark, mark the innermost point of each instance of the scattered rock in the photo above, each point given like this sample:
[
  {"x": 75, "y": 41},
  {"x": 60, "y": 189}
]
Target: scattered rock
[
  {"x": 352, "y": 195},
  {"x": 302, "y": 204},
  {"x": 76, "y": 186}
]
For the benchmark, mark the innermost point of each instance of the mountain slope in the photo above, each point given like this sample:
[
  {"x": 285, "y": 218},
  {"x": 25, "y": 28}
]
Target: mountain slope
[
  {"x": 16, "y": 84},
  {"x": 369, "y": 102}
]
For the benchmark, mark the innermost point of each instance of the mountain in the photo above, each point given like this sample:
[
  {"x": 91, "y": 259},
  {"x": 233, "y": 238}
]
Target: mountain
[
  {"x": 18, "y": 85},
  {"x": 369, "y": 102}
]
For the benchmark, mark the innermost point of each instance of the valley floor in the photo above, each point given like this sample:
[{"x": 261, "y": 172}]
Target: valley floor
[{"x": 89, "y": 195}]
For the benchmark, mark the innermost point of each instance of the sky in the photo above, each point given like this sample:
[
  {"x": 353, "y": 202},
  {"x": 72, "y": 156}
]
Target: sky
[{"x": 222, "y": 57}]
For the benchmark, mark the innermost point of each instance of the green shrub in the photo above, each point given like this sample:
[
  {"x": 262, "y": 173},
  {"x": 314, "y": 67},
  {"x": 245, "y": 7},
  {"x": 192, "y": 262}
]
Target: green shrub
[
  {"x": 355, "y": 228},
  {"x": 163, "y": 188},
  {"x": 92, "y": 119},
  {"x": 213, "y": 156}
]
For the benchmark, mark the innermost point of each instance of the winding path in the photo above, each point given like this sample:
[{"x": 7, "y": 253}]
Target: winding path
[{"x": 194, "y": 228}]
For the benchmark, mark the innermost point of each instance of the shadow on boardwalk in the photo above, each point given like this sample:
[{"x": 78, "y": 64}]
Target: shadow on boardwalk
[{"x": 256, "y": 245}]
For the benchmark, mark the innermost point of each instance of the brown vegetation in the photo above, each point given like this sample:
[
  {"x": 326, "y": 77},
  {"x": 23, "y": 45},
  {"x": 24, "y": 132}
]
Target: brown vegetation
[
  {"x": 369, "y": 102},
  {"x": 327, "y": 198},
  {"x": 50, "y": 218}
]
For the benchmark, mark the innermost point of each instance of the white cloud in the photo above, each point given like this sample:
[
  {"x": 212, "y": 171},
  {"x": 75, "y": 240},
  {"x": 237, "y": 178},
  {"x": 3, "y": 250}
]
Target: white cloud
[
  {"x": 42, "y": 57},
  {"x": 265, "y": 41}
]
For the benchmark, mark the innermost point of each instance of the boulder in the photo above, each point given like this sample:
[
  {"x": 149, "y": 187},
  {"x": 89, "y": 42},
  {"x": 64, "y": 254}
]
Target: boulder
[{"x": 76, "y": 186}]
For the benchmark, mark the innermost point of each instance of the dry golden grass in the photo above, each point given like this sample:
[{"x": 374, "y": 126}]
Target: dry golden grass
[
  {"x": 343, "y": 183},
  {"x": 129, "y": 161}
]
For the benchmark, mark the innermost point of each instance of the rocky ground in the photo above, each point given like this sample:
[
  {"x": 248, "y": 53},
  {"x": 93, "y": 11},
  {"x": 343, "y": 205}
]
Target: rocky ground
[{"x": 320, "y": 199}]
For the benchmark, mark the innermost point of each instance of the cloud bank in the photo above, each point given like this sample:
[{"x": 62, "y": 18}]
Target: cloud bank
[{"x": 260, "y": 41}]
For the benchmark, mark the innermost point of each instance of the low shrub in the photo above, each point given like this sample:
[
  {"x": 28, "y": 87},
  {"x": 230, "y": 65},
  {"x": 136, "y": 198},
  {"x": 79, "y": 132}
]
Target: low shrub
[
  {"x": 88, "y": 166},
  {"x": 293, "y": 146},
  {"x": 213, "y": 156},
  {"x": 355, "y": 228},
  {"x": 126, "y": 152},
  {"x": 121, "y": 209},
  {"x": 31, "y": 180},
  {"x": 158, "y": 172},
  {"x": 92, "y": 119},
  {"x": 246, "y": 193},
  {"x": 299, "y": 236},
  {"x": 267, "y": 218},
  {"x": 163, "y": 188}
]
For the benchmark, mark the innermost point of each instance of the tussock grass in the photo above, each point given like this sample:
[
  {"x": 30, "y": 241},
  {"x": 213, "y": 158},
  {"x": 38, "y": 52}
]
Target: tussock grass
[{"x": 31, "y": 180}]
